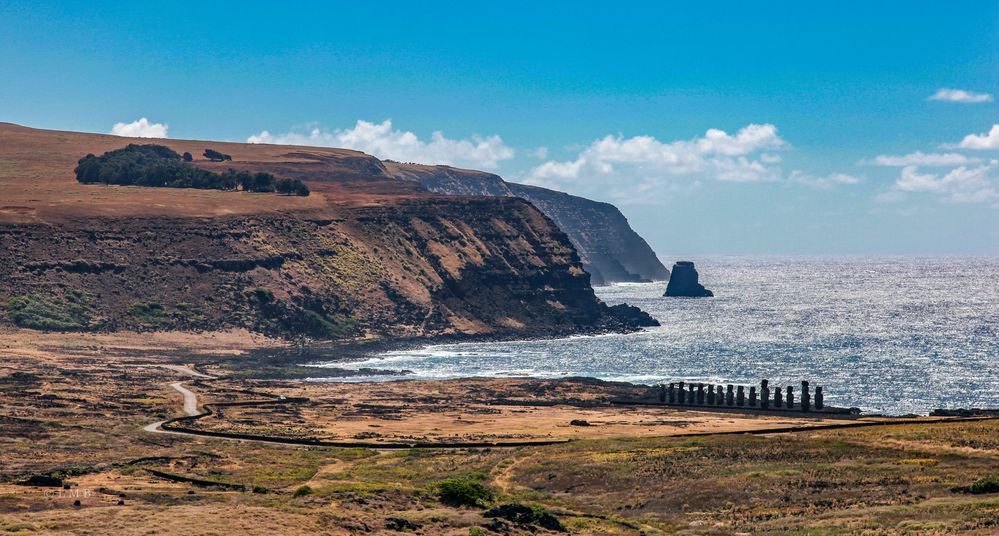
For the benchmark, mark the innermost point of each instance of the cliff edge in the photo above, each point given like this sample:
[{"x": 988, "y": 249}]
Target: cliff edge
[
  {"x": 609, "y": 249},
  {"x": 365, "y": 255}
]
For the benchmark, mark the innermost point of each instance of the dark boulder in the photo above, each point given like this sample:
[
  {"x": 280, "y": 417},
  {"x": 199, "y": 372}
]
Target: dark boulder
[
  {"x": 683, "y": 282},
  {"x": 43, "y": 481},
  {"x": 522, "y": 515},
  {"x": 631, "y": 316}
]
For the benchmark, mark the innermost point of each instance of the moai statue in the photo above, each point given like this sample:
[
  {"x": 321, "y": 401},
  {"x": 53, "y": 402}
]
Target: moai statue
[
  {"x": 740, "y": 396},
  {"x": 818, "y": 397},
  {"x": 720, "y": 395},
  {"x": 671, "y": 393},
  {"x": 789, "y": 399},
  {"x": 806, "y": 401},
  {"x": 765, "y": 394},
  {"x": 682, "y": 395},
  {"x": 778, "y": 400},
  {"x": 730, "y": 396},
  {"x": 752, "y": 396},
  {"x": 700, "y": 393},
  {"x": 711, "y": 395},
  {"x": 662, "y": 393}
]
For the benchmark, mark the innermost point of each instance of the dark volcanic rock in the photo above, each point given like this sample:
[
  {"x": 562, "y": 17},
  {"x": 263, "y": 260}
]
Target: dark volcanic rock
[
  {"x": 683, "y": 282},
  {"x": 43, "y": 481},
  {"x": 424, "y": 267},
  {"x": 632, "y": 316}
]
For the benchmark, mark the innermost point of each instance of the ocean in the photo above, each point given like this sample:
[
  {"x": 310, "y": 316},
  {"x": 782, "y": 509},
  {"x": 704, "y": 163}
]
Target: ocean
[{"x": 892, "y": 335}]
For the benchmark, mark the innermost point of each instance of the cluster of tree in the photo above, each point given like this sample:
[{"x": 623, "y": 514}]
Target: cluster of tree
[
  {"x": 156, "y": 165},
  {"x": 216, "y": 156}
]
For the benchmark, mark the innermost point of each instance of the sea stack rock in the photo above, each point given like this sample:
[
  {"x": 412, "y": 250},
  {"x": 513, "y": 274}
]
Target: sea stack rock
[{"x": 683, "y": 282}]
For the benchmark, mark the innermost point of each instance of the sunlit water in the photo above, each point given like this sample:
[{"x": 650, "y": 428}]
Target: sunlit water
[{"x": 886, "y": 334}]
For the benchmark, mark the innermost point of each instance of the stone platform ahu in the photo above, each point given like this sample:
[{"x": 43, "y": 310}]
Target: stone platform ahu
[{"x": 764, "y": 397}]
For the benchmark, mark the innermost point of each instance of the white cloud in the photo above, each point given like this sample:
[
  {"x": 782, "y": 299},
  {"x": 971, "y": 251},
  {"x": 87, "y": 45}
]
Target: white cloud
[
  {"x": 960, "y": 95},
  {"x": 381, "y": 140},
  {"x": 989, "y": 140},
  {"x": 910, "y": 180},
  {"x": 642, "y": 168},
  {"x": 540, "y": 153},
  {"x": 959, "y": 185},
  {"x": 826, "y": 182},
  {"x": 920, "y": 158},
  {"x": 644, "y": 160},
  {"x": 140, "y": 129}
]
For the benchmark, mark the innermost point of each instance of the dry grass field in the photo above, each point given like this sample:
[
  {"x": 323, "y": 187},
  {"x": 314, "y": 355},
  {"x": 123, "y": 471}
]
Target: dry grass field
[
  {"x": 37, "y": 180},
  {"x": 75, "y": 405}
]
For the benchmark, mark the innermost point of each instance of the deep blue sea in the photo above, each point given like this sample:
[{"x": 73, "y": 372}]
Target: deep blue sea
[{"x": 885, "y": 334}]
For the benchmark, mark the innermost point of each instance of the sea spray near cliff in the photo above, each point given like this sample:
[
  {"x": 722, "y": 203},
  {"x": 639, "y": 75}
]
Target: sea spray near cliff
[{"x": 890, "y": 334}]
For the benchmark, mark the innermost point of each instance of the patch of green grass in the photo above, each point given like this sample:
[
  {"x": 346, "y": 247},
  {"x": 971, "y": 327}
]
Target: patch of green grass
[
  {"x": 464, "y": 491},
  {"x": 50, "y": 313},
  {"x": 150, "y": 314},
  {"x": 989, "y": 484},
  {"x": 190, "y": 312}
]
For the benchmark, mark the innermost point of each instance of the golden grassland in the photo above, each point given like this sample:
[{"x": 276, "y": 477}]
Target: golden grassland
[{"x": 75, "y": 405}]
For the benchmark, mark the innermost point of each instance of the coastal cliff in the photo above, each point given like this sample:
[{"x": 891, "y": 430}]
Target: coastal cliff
[
  {"x": 610, "y": 250},
  {"x": 364, "y": 256}
]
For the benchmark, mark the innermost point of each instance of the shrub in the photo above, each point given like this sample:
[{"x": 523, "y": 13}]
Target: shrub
[
  {"x": 989, "y": 484},
  {"x": 285, "y": 186},
  {"x": 318, "y": 325},
  {"x": 156, "y": 165},
  {"x": 216, "y": 156},
  {"x": 50, "y": 314},
  {"x": 464, "y": 491},
  {"x": 302, "y": 491},
  {"x": 263, "y": 294},
  {"x": 150, "y": 314}
]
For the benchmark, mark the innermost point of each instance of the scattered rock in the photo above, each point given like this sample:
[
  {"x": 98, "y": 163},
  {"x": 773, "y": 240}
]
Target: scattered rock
[
  {"x": 522, "y": 515},
  {"x": 632, "y": 316},
  {"x": 548, "y": 521},
  {"x": 47, "y": 481},
  {"x": 498, "y": 526},
  {"x": 579, "y": 422},
  {"x": 683, "y": 282},
  {"x": 401, "y": 524},
  {"x": 518, "y": 513}
]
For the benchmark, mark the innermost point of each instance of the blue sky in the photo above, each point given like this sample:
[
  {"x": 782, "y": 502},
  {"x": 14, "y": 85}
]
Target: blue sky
[{"x": 726, "y": 128}]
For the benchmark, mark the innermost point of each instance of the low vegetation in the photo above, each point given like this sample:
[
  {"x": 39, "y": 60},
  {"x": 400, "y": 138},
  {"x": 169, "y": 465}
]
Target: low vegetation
[
  {"x": 986, "y": 484},
  {"x": 159, "y": 166},
  {"x": 150, "y": 314},
  {"x": 466, "y": 490},
  {"x": 216, "y": 156},
  {"x": 73, "y": 407},
  {"x": 50, "y": 313}
]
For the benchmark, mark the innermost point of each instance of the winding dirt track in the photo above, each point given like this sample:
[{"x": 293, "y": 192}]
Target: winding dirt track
[{"x": 190, "y": 399}]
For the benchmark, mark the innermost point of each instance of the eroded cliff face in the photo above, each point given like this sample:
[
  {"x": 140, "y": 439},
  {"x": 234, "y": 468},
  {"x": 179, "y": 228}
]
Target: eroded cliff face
[
  {"x": 610, "y": 250},
  {"x": 422, "y": 268},
  {"x": 367, "y": 254}
]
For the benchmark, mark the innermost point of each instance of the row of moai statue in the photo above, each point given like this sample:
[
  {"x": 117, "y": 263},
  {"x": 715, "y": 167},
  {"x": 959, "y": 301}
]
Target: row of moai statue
[{"x": 699, "y": 394}]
